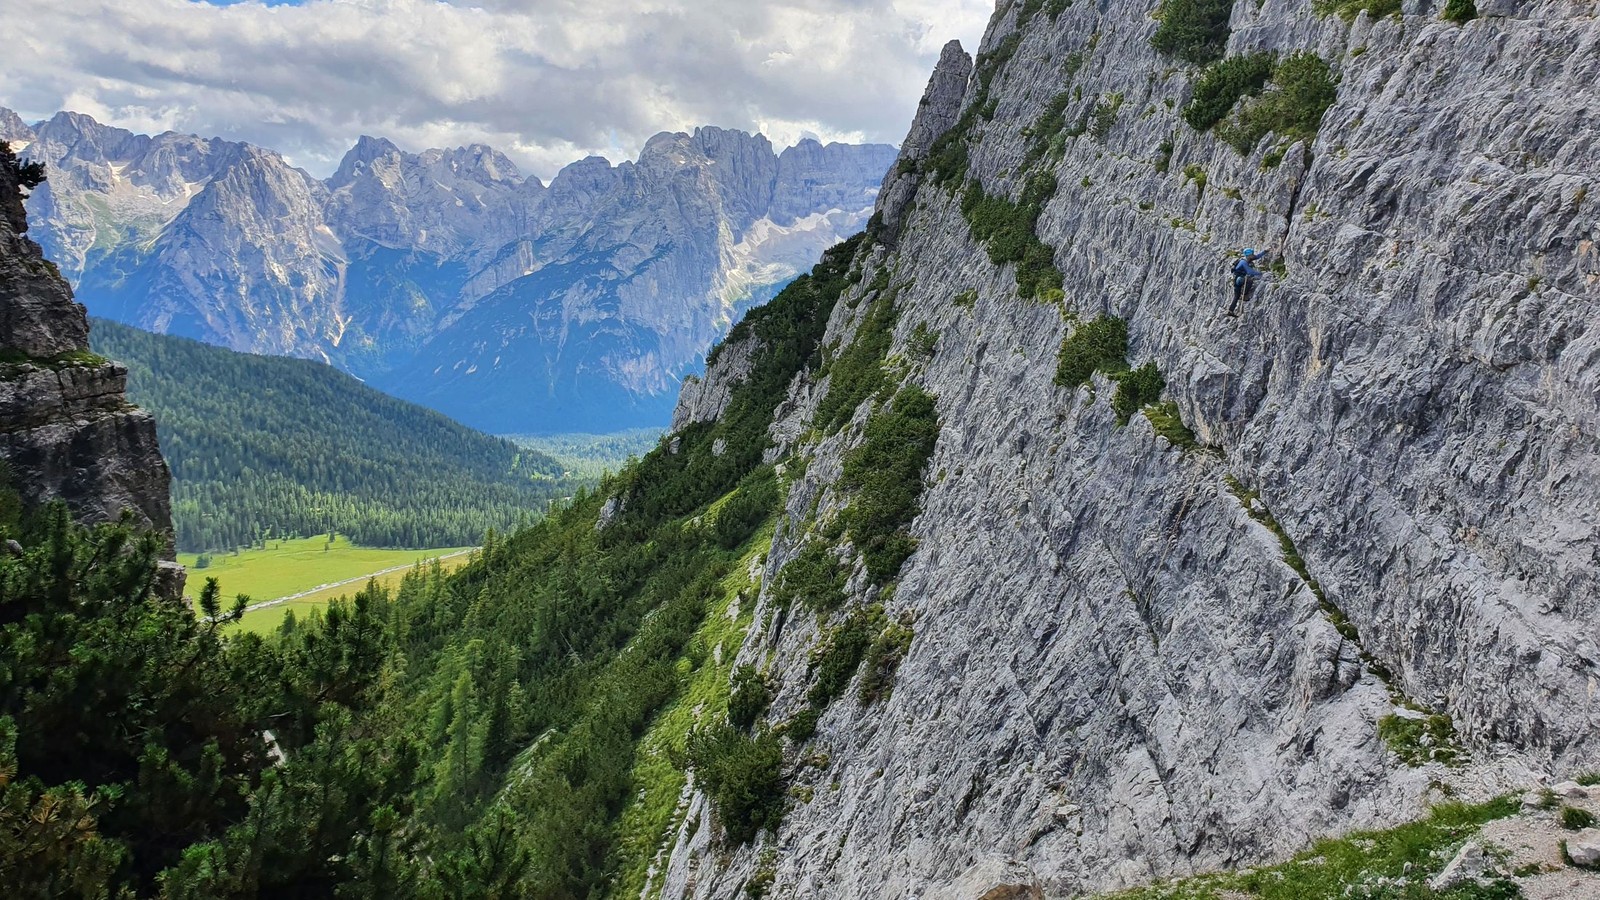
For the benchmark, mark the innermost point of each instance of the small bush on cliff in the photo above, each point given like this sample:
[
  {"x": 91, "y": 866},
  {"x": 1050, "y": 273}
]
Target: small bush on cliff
[
  {"x": 1349, "y": 9},
  {"x": 835, "y": 662},
  {"x": 1223, "y": 84},
  {"x": 749, "y": 698},
  {"x": 1136, "y": 390},
  {"x": 1098, "y": 345},
  {"x": 743, "y": 776},
  {"x": 1299, "y": 94},
  {"x": 1575, "y": 818},
  {"x": 1460, "y": 11},
  {"x": 886, "y": 475},
  {"x": 1195, "y": 31},
  {"x": 883, "y": 661}
]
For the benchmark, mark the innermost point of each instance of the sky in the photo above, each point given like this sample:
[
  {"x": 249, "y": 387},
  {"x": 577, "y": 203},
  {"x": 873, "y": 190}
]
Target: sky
[{"x": 545, "y": 81}]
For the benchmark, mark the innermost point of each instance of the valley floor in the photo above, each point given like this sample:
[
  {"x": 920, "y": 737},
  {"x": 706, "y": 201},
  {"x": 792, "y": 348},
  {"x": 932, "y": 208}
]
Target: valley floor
[{"x": 302, "y": 574}]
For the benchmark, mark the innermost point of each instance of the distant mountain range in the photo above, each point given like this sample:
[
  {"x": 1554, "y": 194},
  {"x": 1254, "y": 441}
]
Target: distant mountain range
[{"x": 447, "y": 277}]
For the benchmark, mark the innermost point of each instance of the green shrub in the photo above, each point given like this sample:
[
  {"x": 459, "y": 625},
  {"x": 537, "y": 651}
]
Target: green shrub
[
  {"x": 748, "y": 698},
  {"x": 1299, "y": 94},
  {"x": 1169, "y": 424},
  {"x": 749, "y": 507},
  {"x": 1195, "y": 31},
  {"x": 856, "y": 374},
  {"x": 743, "y": 776},
  {"x": 1098, "y": 345},
  {"x": 1136, "y": 390},
  {"x": 1460, "y": 11},
  {"x": 802, "y": 725},
  {"x": 886, "y": 475},
  {"x": 835, "y": 662},
  {"x": 814, "y": 576},
  {"x": 922, "y": 342},
  {"x": 1575, "y": 818},
  {"x": 1164, "y": 156},
  {"x": 1419, "y": 740},
  {"x": 1223, "y": 84},
  {"x": 883, "y": 661},
  {"x": 1103, "y": 117},
  {"x": 1348, "y": 9},
  {"x": 1007, "y": 230}
]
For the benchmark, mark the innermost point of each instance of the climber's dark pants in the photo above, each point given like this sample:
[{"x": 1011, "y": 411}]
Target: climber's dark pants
[{"x": 1242, "y": 285}]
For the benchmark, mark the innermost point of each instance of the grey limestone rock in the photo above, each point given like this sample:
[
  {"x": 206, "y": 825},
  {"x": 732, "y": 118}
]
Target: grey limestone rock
[
  {"x": 1117, "y": 675},
  {"x": 66, "y": 429},
  {"x": 938, "y": 110}
]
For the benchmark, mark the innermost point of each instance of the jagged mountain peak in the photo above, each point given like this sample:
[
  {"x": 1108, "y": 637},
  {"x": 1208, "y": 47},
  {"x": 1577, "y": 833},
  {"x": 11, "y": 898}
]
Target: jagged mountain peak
[{"x": 419, "y": 270}]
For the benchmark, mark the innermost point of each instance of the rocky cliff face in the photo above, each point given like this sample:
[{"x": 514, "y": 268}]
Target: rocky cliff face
[
  {"x": 1141, "y": 650},
  {"x": 67, "y": 430},
  {"x": 446, "y": 276}
]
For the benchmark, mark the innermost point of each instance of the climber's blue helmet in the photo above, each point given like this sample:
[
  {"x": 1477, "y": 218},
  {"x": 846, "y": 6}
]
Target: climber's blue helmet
[{"x": 1249, "y": 253}]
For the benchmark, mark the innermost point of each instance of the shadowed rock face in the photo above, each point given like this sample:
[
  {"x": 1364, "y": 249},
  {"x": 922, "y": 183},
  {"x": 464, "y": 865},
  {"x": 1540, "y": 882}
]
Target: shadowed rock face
[
  {"x": 1116, "y": 676},
  {"x": 67, "y": 430},
  {"x": 447, "y": 276}
]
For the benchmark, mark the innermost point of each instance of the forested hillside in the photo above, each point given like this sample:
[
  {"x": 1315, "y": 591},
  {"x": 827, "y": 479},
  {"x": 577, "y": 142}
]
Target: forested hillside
[
  {"x": 265, "y": 445},
  {"x": 521, "y": 728}
]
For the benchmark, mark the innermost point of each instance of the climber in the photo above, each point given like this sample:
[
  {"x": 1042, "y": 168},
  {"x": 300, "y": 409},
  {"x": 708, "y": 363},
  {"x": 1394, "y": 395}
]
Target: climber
[{"x": 1244, "y": 277}]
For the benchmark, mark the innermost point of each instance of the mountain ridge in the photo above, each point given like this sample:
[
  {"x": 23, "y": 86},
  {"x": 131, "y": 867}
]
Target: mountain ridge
[{"x": 389, "y": 266}]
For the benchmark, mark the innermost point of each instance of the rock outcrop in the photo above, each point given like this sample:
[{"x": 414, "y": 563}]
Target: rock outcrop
[
  {"x": 1153, "y": 648},
  {"x": 67, "y": 430}
]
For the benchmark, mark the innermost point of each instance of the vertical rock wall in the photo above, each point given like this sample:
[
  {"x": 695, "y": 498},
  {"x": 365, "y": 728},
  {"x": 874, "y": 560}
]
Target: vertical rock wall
[{"x": 1117, "y": 673}]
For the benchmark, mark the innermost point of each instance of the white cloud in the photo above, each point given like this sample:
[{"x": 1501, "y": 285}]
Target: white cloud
[{"x": 547, "y": 81}]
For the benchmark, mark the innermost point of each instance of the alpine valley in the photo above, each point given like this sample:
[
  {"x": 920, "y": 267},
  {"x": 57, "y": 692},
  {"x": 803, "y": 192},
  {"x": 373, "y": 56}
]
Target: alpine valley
[{"x": 447, "y": 277}]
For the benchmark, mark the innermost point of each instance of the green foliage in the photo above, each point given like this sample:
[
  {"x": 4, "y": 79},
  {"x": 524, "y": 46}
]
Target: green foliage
[
  {"x": 1137, "y": 389},
  {"x": 1098, "y": 345},
  {"x": 263, "y": 445},
  {"x": 1007, "y": 230},
  {"x": 1164, "y": 156},
  {"x": 1047, "y": 136},
  {"x": 1169, "y": 424},
  {"x": 1195, "y": 31},
  {"x": 814, "y": 576},
  {"x": 885, "y": 474},
  {"x": 743, "y": 777},
  {"x": 1223, "y": 84},
  {"x": 1103, "y": 117},
  {"x": 1395, "y": 863},
  {"x": 802, "y": 725},
  {"x": 1460, "y": 11},
  {"x": 856, "y": 374},
  {"x": 922, "y": 342},
  {"x": 883, "y": 661},
  {"x": 132, "y": 735},
  {"x": 1575, "y": 818},
  {"x": 1348, "y": 9},
  {"x": 749, "y": 699},
  {"x": 1299, "y": 94},
  {"x": 752, "y": 503},
  {"x": 1430, "y": 738},
  {"x": 966, "y": 299},
  {"x": 838, "y": 657}
]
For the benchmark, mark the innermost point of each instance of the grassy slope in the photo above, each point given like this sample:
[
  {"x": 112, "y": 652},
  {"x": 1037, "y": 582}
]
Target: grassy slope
[
  {"x": 651, "y": 820},
  {"x": 1393, "y": 865}
]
